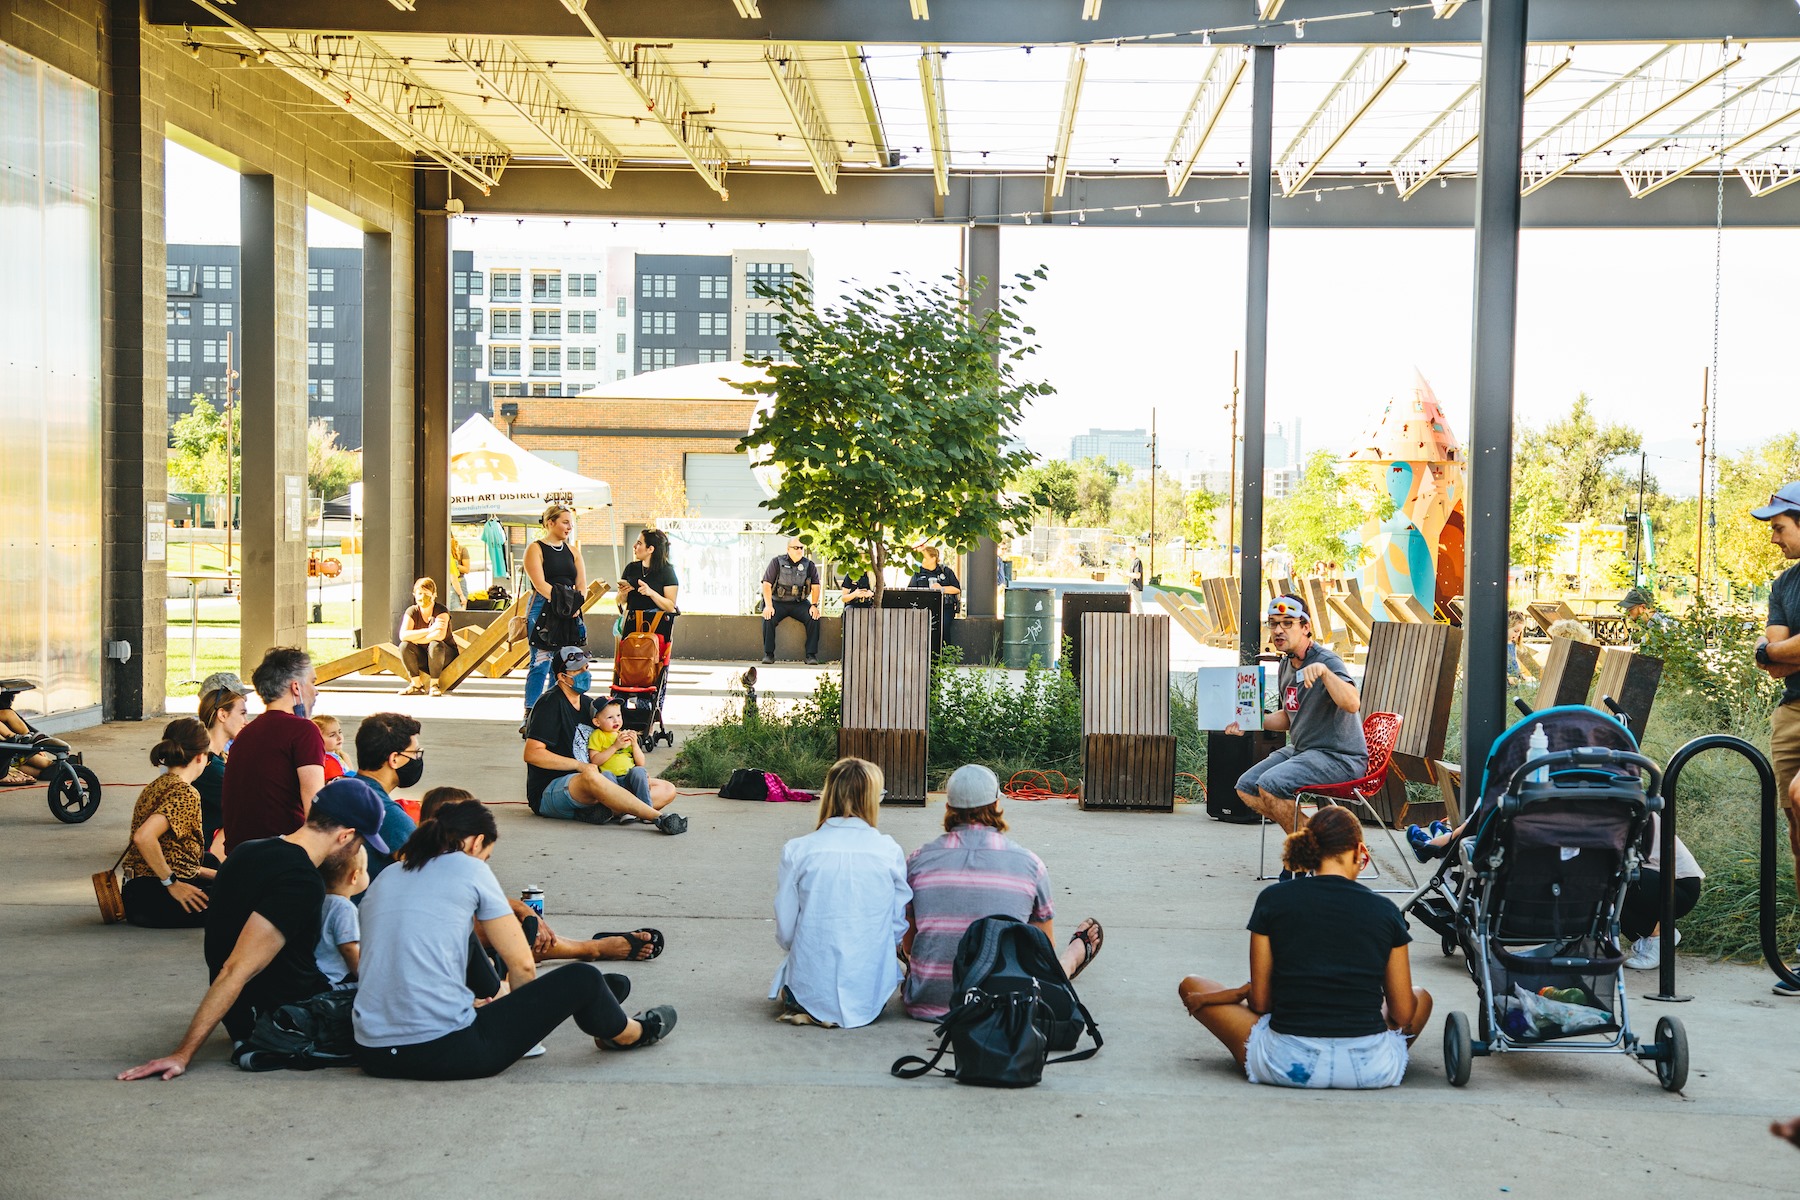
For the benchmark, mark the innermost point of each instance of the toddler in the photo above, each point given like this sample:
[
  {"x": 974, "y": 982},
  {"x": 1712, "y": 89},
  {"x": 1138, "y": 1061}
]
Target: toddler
[
  {"x": 615, "y": 750},
  {"x": 339, "y": 951},
  {"x": 333, "y": 733}
]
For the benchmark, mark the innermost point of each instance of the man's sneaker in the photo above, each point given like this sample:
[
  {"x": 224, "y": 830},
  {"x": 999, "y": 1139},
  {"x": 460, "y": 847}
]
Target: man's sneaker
[
  {"x": 1646, "y": 954},
  {"x": 1783, "y": 987},
  {"x": 672, "y": 823},
  {"x": 812, "y": 660}
]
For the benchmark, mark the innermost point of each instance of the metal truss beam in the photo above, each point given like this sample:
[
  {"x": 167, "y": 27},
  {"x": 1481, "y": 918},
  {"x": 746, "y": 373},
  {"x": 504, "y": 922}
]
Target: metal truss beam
[
  {"x": 1441, "y": 9},
  {"x": 1374, "y": 70},
  {"x": 937, "y": 117},
  {"x": 911, "y": 197},
  {"x": 1763, "y": 105},
  {"x": 381, "y": 93},
  {"x": 1773, "y": 167},
  {"x": 1223, "y": 74},
  {"x": 1458, "y": 127},
  {"x": 1016, "y": 22},
  {"x": 659, "y": 88},
  {"x": 1630, "y": 102},
  {"x": 519, "y": 83},
  {"x": 1065, "y": 126},
  {"x": 788, "y": 69}
]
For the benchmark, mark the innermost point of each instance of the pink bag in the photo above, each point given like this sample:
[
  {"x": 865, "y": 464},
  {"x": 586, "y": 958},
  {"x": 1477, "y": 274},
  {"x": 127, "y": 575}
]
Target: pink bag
[{"x": 781, "y": 793}]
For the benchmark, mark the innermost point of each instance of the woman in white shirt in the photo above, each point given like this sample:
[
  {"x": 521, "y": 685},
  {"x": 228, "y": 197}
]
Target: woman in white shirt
[{"x": 840, "y": 907}]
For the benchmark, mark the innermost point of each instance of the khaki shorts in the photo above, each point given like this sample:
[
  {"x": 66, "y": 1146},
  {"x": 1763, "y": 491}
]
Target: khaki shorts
[{"x": 1784, "y": 745}]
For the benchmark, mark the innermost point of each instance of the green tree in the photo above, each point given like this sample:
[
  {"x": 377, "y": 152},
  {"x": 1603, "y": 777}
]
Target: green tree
[
  {"x": 1096, "y": 482},
  {"x": 1202, "y": 510},
  {"x": 1314, "y": 520},
  {"x": 1131, "y": 508},
  {"x": 1052, "y": 487},
  {"x": 891, "y": 416},
  {"x": 330, "y": 469},
  {"x": 1578, "y": 453},
  {"x": 197, "y": 450},
  {"x": 1747, "y": 559},
  {"x": 1537, "y": 513}
]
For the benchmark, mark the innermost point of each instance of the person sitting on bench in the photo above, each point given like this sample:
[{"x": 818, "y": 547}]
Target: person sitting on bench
[
  {"x": 790, "y": 590},
  {"x": 426, "y": 646}
]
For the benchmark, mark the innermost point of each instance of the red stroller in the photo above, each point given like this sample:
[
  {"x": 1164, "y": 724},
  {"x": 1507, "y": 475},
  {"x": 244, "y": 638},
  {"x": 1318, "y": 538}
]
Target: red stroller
[{"x": 641, "y": 675}]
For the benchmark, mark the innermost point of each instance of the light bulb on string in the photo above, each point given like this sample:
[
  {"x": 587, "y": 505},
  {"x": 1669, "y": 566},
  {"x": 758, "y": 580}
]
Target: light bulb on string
[
  {"x": 1396, "y": 18},
  {"x": 1300, "y": 30}
]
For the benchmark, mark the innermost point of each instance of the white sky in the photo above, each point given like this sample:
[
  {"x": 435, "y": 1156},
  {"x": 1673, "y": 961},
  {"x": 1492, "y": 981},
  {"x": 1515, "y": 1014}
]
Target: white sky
[{"x": 1133, "y": 319}]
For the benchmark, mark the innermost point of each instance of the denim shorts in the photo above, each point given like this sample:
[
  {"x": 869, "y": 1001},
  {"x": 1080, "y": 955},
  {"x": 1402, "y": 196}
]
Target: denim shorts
[
  {"x": 556, "y": 801},
  {"x": 1287, "y": 1060},
  {"x": 1285, "y": 773}
]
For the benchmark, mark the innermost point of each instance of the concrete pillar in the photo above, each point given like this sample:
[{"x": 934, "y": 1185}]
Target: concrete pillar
[
  {"x": 134, "y": 413},
  {"x": 387, "y": 453},
  {"x": 431, "y": 374},
  {"x": 981, "y": 578},
  {"x": 271, "y": 364}
]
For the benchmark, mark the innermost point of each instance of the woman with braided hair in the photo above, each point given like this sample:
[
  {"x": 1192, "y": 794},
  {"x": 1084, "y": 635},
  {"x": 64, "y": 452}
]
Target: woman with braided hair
[{"x": 1330, "y": 1002}]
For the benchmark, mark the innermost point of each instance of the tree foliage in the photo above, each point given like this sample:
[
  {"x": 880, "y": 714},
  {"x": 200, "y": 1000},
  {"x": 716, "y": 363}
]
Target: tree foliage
[
  {"x": 1201, "y": 511},
  {"x": 1577, "y": 453},
  {"x": 1096, "y": 483},
  {"x": 330, "y": 469},
  {"x": 1747, "y": 559},
  {"x": 891, "y": 415},
  {"x": 1315, "y": 520},
  {"x": 197, "y": 450},
  {"x": 1131, "y": 508},
  {"x": 1052, "y": 487}
]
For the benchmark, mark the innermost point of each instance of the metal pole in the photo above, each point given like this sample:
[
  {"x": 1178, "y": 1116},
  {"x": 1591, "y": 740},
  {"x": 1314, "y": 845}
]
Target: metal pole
[
  {"x": 1256, "y": 347},
  {"x": 1700, "y": 496},
  {"x": 230, "y": 395},
  {"x": 1637, "y": 558},
  {"x": 1152, "y": 570},
  {"x": 1491, "y": 385},
  {"x": 1231, "y": 459}
]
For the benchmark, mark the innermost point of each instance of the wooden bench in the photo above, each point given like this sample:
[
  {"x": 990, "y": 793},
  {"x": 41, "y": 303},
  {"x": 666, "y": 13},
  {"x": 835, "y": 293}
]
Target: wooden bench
[
  {"x": 1631, "y": 680},
  {"x": 1127, "y": 749},
  {"x": 1406, "y": 609},
  {"x": 1190, "y": 616},
  {"x": 886, "y": 696},
  {"x": 1324, "y": 629},
  {"x": 1221, "y": 606},
  {"x": 1411, "y": 672},
  {"x": 1568, "y": 673},
  {"x": 1355, "y": 618},
  {"x": 369, "y": 660},
  {"x": 1545, "y": 613}
]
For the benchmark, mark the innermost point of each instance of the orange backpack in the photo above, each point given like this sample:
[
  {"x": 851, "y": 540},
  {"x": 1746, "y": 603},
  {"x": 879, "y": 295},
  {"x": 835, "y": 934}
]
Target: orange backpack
[{"x": 639, "y": 656}]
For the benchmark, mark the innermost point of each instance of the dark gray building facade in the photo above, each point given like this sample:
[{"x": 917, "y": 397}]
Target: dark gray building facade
[{"x": 683, "y": 310}]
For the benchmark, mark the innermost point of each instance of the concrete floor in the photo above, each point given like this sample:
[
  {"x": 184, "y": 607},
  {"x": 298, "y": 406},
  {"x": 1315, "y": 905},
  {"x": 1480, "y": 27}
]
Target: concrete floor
[{"x": 735, "y": 1104}]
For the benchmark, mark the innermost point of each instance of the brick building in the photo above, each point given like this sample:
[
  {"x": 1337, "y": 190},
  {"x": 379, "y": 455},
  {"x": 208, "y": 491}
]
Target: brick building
[{"x": 644, "y": 433}]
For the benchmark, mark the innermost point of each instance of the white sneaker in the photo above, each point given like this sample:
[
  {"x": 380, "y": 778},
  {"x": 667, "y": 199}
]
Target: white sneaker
[
  {"x": 1646, "y": 954},
  {"x": 535, "y": 1051}
]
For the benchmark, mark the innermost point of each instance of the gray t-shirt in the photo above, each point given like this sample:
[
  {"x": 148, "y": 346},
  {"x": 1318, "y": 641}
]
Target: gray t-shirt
[
  {"x": 1784, "y": 609},
  {"x": 415, "y": 949},
  {"x": 337, "y": 926},
  {"x": 1315, "y": 722}
]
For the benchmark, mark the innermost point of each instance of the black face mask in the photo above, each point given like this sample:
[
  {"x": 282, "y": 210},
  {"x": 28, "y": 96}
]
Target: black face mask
[{"x": 409, "y": 774}]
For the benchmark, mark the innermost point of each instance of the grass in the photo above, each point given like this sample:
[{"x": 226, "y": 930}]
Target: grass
[{"x": 325, "y": 641}]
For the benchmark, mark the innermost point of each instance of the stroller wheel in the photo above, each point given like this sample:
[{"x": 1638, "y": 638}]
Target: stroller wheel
[
  {"x": 1459, "y": 1050},
  {"x": 1671, "y": 1054},
  {"x": 74, "y": 793},
  {"x": 1448, "y": 946}
]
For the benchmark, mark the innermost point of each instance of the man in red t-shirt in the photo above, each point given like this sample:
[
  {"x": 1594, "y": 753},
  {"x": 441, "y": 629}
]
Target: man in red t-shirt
[{"x": 277, "y": 762}]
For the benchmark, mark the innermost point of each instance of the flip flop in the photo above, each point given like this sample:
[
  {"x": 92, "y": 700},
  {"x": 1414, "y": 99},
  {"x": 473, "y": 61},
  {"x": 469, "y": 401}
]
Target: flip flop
[
  {"x": 638, "y": 939},
  {"x": 1090, "y": 945}
]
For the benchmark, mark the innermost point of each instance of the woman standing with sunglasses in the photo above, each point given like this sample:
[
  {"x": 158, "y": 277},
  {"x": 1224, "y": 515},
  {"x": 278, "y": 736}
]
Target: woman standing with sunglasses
[{"x": 165, "y": 883}]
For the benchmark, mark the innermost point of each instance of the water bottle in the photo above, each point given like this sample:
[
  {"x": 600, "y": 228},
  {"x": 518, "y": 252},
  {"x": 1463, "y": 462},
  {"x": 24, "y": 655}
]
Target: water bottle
[
  {"x": 533, "y": 898},
  {"x": 1537, "y": 748}
]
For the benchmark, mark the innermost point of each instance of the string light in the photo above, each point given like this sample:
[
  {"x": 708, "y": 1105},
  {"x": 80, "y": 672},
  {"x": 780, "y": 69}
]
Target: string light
[
  {"x": 1300, "y": 30},
  {"x": 1396, "y": 18}
]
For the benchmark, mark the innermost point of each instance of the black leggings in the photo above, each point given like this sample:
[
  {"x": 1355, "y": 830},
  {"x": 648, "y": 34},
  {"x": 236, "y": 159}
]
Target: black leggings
[
  {"x": 505, "y": 1029},
  {"x": 148, "y": 903},
  {"x": 1643, "y": 903},
  {"x": 418, "y": 655}
]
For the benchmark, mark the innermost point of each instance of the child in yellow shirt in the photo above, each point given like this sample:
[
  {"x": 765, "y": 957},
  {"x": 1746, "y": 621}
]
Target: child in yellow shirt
[{"x": 615, "y": 750}]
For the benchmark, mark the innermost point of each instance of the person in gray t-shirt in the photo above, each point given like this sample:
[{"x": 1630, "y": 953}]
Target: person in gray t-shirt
[{"x": 1319, "y": 709}]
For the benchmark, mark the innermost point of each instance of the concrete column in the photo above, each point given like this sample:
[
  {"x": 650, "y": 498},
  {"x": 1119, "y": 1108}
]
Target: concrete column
[
  {"x": 1256, "y": 349},
  {"x": 1489, "y": 447},
  {"x": 271, "y": 364},
  {"x": 431, "y": 375},
  {"x": 134, "y": 412},
  {"x": 387, "y": 454},
  {"x": 981, "y": 577}
]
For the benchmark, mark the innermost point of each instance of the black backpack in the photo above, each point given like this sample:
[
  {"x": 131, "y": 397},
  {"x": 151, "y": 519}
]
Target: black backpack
[
  {"x": 1015, "y": 1007},
  {"x": 302, "y": 1036}
]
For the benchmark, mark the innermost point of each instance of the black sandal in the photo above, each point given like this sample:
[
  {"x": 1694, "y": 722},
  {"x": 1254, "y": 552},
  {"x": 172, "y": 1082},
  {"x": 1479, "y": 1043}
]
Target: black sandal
[
  {"x": 657, "y": 1024},
  {"x": 1090, "y": 946},
  {"x": 672, "y": 823},
  {"x": 638, "y": 939}
]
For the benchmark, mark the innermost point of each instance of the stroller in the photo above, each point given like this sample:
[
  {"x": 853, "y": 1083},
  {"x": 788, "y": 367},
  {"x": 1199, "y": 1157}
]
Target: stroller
[
  {"x": 74, "y": 789},
  {"x": 1531, "y": 891},
  {"x": 641, "y": 675}
]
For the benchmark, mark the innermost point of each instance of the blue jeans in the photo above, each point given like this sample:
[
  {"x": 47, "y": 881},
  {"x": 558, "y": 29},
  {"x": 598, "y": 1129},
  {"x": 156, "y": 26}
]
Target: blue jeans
[{"x": 539, "y": 674}]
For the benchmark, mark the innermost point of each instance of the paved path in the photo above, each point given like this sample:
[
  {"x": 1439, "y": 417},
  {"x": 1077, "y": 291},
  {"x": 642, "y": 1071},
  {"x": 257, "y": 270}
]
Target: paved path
[{"x": 735, "y": 1104}]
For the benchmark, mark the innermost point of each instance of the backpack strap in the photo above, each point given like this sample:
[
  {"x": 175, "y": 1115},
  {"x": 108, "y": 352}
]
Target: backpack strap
[
  {"x": 1093, "y": 1032},
  {"x": 982, "y": 965},
  {"x": 911, "y": 1066}
]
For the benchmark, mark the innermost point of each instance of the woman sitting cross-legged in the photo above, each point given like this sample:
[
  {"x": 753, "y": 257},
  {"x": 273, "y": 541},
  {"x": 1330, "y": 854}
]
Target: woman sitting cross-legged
[
  {"x": 415, "y": 1017},
  {"x": 166, "y": 880},
  {"x": 1330, "y": 1002},
  {"x": 840, "y": 907}
]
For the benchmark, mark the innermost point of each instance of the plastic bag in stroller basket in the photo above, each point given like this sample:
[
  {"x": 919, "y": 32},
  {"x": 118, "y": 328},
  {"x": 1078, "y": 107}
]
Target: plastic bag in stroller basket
[{"x": 1556, "y": 1002}]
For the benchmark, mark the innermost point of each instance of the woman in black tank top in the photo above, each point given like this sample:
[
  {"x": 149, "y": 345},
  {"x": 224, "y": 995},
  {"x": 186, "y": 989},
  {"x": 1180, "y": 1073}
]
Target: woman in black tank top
[{"x": 552, "y": 559}]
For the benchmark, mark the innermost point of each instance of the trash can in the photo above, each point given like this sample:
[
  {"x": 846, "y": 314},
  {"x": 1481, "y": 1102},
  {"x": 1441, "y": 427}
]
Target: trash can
[{"x": 1027, "y": 627}]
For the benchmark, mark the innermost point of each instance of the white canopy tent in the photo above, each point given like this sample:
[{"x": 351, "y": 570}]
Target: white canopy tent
[{"x": 492, "y": 475}]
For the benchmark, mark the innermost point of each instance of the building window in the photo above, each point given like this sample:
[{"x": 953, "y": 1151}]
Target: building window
[
  {"x": 715, "y": 324},
  {"x": 584, "y": 320},
  {"x": 503, "y": 360},
  {"x": 655, "y": 358},
  {"x": 216, "y": 313},
  {"x": 321, "y": 316},
  {"x": 503, "y": 322},
  {"x": 584, "y": 286},
  {"x": 546, "y": 360},
  {"x": 180, "y": 387},
  {"x": 215, "y": 278},
  {"x": 617, "y": 375},
  {"x": 467, "y": 283},
  {"x": 655, "y": 287},
  {"x": 321, "y": 279},
  {"x": 181, "y": 279},
  {"x": 762, "y": 325},
  {"x": 618, "y": 343},
  {"x": 715, "y": 355},
  {"x": 213, "y": 350},
  {"x": 178, "y": 350},
  {"x": 321, "y": 354},
  {"x": 503, "y": 285},
  {"x": 212, "y": 386},
  {"x": 583, "y": 358},
  {"x": 546, "y": 389},
  {"x": 546, "y": 322},
  {"x": 178, "y": 312},
  {"x": 546, "y": 285},
  {"x": 773, "y": 275},
  {"x": 621, "y": 306},
  {"x": 465, "y": 320},
  {"x": 465, "y": 358},
  {"x": 656, "y": 324},
  {"x": 322, "y": 391},
  {"x": 715, "y": 287},
  {"x": 506, "y": 389}
]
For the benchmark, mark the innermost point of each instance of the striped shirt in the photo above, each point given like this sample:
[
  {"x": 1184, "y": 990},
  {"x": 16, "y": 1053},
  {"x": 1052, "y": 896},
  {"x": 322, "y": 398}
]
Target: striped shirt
[{"x": 973, "y": 871}]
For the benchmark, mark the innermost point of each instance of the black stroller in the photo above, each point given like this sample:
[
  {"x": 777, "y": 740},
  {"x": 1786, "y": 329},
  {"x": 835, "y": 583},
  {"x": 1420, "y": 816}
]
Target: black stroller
[
  {"x": 1531, "y": 892},
  {"x": 74, "y": 790},
  {"x": 641, "y": 676}
]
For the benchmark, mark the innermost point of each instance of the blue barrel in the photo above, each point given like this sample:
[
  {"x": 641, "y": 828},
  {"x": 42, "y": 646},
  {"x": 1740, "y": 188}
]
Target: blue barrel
[{"x": 1028, "y": 627}]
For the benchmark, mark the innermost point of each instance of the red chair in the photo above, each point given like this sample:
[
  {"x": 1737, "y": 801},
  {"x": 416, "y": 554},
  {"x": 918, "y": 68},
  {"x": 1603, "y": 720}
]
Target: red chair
[{"x": 1382, "y": 731}]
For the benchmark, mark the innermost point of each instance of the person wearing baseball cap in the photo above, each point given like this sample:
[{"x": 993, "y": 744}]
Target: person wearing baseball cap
[
  {"x": 562, "y": 786},
  {"x": 1639, "y": 606},
  {"x": 262, "y": 920},
  {"x": 974, "y": 871},
  {"x": 1778, "y": 656},
  {"x": 224, "y": 679}
]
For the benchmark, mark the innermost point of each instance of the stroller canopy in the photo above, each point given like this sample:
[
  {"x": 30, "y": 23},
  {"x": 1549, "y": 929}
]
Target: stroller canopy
[{"x": 1566, "y": 726}]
